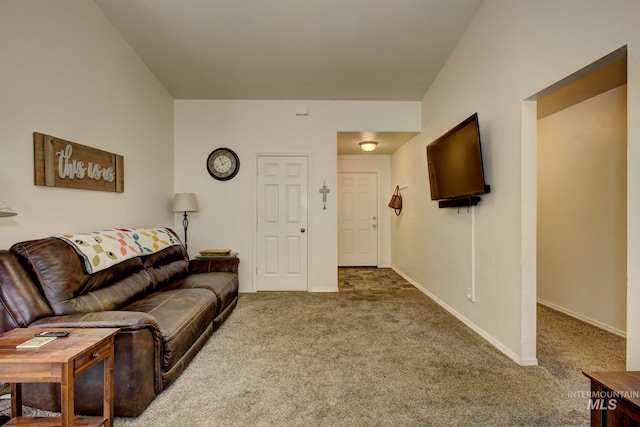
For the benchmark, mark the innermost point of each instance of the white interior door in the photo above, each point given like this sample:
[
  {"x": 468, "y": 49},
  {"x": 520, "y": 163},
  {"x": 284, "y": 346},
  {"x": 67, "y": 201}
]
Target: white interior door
[
  {"x": 357, "y": 219},
  {"x": 282, "y": 224}
]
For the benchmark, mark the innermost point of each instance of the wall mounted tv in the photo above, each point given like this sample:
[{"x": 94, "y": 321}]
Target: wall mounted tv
[{"x": 456, "y": 173}]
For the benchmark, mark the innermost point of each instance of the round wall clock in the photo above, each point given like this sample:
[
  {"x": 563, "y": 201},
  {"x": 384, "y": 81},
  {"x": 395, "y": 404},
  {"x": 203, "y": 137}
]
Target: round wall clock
[{"x": 223, "y": 164}]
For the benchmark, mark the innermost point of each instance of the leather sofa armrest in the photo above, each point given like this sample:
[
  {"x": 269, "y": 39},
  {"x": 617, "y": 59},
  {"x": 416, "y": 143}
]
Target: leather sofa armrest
[
  {"x": 125, "y": 320},
  {"x": 208, "y": 265}
]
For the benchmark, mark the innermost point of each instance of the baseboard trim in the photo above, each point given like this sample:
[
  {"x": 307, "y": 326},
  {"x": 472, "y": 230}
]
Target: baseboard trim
[
  {"x": 475, "y": 328},
  {"x": 583, "y": 318},
  {"x": 324, "y": 290}
]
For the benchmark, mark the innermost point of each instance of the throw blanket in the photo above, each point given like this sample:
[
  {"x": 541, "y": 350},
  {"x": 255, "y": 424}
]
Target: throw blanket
[{"x": 102, "y": 249}]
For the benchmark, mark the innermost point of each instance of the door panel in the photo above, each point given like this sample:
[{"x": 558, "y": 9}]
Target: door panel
[
  {"x": 357, "y": 219},
  {"x": 282, "y": 223}
]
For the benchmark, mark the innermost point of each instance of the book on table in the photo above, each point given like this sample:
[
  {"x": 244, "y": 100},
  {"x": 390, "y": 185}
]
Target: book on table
[
  {"x": 230, "y": 255},
  {"x": 36, "y": 342},
  {"x": 215, "y": 252}
]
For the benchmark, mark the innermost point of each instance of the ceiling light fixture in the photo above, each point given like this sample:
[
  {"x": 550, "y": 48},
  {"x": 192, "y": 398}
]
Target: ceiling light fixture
[{"x": 368, "y": 145}]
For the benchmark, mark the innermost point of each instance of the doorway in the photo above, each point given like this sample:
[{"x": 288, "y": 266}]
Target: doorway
[
  {"x": 542, "y": 270},
  {"x": 582, "y": 205}
]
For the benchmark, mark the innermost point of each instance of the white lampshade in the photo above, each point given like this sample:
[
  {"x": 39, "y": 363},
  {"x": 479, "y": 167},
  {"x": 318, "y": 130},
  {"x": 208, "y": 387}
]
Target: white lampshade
[
  {"x": 5, "y": 210},
  {"x": 368, "y": 145},
  {"x": 184, "y": 202}
]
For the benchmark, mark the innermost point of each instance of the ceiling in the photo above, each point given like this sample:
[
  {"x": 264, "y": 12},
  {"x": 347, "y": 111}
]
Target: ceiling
[{"x": 368, "y": 50}]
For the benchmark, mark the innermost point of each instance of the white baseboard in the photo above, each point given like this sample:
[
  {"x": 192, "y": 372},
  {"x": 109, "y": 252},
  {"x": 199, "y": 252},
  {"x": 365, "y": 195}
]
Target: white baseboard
[
  {"x": 583, "y": 318},
  {"x": 488, "y": 337},
  {"x": 325, "y": 290}
]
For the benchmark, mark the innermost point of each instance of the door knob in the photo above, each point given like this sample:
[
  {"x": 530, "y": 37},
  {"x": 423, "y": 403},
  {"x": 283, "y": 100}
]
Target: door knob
[{"x": 302, "y": 230}]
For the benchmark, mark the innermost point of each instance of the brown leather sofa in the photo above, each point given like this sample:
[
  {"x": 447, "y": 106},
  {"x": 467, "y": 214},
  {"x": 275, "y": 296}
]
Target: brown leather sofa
[{"x": 165, "y": 305}]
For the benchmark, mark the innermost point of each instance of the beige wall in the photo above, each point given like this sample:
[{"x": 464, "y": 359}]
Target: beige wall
[
  {"x": 582, "y": 210},
  {"x": 67, "y": 73},
  {"x": 511, "y": 51},
  {"x": 227, "y": 213}
]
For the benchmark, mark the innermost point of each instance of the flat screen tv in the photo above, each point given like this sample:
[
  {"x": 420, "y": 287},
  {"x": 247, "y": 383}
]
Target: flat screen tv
[{"x": 455, "y": 163}]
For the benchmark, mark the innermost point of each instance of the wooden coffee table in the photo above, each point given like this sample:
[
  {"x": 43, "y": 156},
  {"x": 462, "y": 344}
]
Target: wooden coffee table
[{"x": 57, "y": 362}]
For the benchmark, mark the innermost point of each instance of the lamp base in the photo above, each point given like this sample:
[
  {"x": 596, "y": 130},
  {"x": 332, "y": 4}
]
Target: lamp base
[{"x": 185, "y": 224}]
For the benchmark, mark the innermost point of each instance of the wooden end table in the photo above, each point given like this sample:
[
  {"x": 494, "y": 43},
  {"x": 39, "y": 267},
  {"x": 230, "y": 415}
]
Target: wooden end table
[
  {"x": 615, "y": 398},
  {"x": 57, "y": 362}
]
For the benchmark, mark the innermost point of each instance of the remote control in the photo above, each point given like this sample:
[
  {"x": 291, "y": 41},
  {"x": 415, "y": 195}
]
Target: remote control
[{"x": 58, "y": 334}]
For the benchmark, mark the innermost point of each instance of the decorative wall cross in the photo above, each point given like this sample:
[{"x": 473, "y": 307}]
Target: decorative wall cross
[{"x": 324, "y": 190}]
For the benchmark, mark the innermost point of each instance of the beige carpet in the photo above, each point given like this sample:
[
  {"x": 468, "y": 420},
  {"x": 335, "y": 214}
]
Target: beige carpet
[{"x": 377, "y": 353}]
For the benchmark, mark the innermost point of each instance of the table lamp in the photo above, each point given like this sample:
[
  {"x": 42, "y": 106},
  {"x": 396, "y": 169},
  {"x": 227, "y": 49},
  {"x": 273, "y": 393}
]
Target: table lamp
[
  {"x": 6, "y": 210},
  {"x": 185, "y": 202}
]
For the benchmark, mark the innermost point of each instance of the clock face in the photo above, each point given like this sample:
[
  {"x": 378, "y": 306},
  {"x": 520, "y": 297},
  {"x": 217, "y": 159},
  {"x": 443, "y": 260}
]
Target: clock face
[{"x": 223, "y": 164}]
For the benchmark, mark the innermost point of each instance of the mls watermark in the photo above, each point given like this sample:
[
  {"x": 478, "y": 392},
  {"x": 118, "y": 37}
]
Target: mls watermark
[{"x": 604, "y": 400}]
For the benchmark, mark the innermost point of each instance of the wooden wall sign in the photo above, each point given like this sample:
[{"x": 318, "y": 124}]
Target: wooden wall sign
[{"x": 60, "y": 163}]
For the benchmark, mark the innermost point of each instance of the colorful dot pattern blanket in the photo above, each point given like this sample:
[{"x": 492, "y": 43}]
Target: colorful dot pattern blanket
[{"x": 102, "y": 249}]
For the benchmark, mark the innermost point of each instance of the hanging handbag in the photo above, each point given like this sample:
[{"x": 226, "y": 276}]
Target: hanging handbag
[{"x": 396, "y": 201}]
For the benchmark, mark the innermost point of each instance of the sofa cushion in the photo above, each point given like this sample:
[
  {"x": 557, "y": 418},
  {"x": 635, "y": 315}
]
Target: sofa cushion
[
  {"x": 60, "y": 273},
  {"x": 182, "y": 315},
  {"x": 223, "y": 284},
  {"x": 167, "y": 265}
]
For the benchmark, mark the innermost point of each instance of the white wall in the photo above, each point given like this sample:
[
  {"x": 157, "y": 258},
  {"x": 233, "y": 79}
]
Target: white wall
[
  {"x": 510, "y": 51},
  {"x": 227, "y": 209},
  {"x": 381, "y": 164},
  {"x": 582, "y": 207},
  {"x": 67, "y": 73}
]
